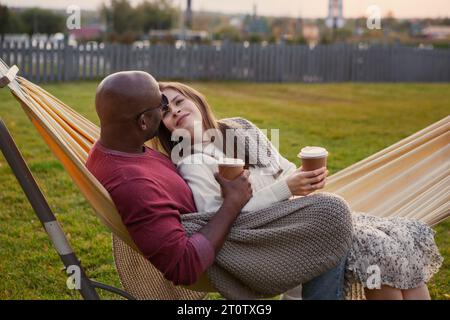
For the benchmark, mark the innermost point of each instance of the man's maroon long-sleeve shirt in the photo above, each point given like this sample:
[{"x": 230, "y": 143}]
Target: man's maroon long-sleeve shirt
[{"x": 150, "y": 195}]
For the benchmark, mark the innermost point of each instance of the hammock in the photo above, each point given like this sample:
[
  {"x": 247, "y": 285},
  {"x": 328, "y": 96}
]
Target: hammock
[{"x": 409, "y": 179}]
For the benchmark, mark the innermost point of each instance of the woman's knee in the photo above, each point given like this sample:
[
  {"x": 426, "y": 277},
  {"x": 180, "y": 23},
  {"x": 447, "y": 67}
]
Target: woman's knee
[
  {"x": 332, "y": 207},
  {"x": 334, "y": 223},
  {"x": 332, "y": 204}
]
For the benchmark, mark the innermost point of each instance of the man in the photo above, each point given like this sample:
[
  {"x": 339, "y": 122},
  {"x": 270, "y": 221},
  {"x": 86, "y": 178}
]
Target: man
[{"x": 150, "y": 195}]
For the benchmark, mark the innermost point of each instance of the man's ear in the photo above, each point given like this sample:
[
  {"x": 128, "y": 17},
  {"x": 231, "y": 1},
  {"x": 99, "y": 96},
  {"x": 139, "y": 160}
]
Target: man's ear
[{"x": 142, "y": 123}]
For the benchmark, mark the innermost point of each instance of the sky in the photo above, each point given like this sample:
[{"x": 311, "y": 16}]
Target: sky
[{"x": 291, "y": 8}]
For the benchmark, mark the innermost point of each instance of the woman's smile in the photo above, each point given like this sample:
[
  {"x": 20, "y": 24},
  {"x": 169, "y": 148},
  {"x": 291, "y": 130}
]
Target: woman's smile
[{"x": 181, "y": 118}]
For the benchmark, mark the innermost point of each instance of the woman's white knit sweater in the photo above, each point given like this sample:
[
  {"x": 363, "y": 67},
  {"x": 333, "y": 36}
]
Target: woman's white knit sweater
[{"x": 198, "y": 171}]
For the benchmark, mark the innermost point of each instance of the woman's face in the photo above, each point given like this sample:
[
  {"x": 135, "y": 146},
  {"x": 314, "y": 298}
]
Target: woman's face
[{"x": 182, "y": 112}]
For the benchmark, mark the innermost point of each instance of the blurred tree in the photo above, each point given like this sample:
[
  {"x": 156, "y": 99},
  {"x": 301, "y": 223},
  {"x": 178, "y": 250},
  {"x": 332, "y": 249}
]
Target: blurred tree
[
  {"x": 299, "y": 39},
  {"x": 255, "y": 38},
  {"x": 159, "y": 15},
  {"x": 119, "y": 16},
  {"x": 227, "y": 32},
  {"x": 125, "y": 23},
  {"x": 341, "y": 35},
  {"x": 326, "y": 37},
  {"x": 4, "y": 19},
  {"x": 278, "y": 28},
  {"x": 11, "y": 21},
  {"x": 36, "y": 20}
]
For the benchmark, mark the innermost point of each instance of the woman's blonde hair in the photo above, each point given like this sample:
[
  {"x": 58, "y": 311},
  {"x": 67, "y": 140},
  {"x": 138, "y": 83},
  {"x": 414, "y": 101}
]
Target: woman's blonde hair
[{"x": 163, "y": 140}]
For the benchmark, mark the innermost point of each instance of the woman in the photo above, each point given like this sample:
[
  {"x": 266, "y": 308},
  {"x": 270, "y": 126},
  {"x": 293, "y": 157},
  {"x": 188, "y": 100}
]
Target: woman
[{"x": 401, "y": 251}]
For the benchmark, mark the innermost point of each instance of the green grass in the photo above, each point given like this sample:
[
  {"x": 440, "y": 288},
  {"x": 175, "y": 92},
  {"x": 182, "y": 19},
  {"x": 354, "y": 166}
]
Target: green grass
[{"x": 352, "y": 120}]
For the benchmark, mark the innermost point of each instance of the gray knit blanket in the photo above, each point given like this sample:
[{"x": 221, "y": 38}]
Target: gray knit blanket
[{"x": 270, "y": 251}]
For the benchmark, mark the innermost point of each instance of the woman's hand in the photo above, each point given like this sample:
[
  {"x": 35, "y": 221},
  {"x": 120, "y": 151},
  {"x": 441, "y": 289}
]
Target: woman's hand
[{"x": 302, "y": 183}]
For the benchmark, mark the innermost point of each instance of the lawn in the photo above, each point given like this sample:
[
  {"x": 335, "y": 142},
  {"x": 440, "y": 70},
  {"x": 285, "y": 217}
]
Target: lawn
[{"x": 353, "y": 121}]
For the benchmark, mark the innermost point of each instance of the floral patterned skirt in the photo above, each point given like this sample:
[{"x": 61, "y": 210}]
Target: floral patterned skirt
[{"x": 395, "y": 251}]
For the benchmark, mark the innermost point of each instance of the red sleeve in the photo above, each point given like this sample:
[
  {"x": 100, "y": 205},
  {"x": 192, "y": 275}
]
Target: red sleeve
[{"x": 155, "y": 226}]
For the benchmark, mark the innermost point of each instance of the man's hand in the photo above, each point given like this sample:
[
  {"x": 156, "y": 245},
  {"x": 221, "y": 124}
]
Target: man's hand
[
  {"x": 236, "y": 192},
  {"x": 302, "y": 183}
]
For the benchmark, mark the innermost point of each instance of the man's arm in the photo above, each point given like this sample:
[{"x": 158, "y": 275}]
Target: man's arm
[
  {"x": 155, "y": 226},
  {"x": 236, "y": 194}
]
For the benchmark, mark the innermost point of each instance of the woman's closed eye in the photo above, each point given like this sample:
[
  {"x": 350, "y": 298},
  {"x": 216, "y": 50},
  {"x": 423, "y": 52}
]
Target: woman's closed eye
[
  {"x": 167, "y": 111},
  {"x": 177, "y": 103}
]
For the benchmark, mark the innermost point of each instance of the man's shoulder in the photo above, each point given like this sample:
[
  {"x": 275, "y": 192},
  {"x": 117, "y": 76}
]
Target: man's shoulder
[
  {"x": 129, "y": 178},
  {"x": 112, "y": 160},
  {"x": 124, "y": 171},
  {"x": 113, "y": 171}
]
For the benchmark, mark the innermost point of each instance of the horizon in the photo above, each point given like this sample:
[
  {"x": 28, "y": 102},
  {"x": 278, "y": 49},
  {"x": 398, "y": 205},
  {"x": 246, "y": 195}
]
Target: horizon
[{"x": 402, "y": 9}]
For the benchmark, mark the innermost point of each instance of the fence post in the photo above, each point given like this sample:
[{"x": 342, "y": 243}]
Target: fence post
[{"x": 67, "y": 60}]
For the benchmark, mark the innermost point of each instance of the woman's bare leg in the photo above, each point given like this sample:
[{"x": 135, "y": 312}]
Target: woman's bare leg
[
  {"x": 419, "y": 293},
  {"x": 384, "y": 293}
]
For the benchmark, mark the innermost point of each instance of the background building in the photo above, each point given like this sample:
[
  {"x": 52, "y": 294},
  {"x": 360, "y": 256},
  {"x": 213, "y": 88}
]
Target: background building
[{"x": 335, "y": 18}]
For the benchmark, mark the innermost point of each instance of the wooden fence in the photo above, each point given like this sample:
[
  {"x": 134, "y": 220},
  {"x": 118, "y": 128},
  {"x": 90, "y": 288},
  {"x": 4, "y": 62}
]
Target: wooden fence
[{"x": 55, "y": 62}]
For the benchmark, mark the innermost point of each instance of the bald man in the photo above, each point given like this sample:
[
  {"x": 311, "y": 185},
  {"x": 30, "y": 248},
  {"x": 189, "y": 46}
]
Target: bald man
[
  {"x": 128, "y": 105},
  {"x": 145, "y": 186}
]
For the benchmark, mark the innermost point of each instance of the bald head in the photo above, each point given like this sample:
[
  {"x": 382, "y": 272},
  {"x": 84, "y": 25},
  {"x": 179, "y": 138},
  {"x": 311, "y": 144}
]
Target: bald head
[
  {"x": 127, "y": 105},
  {"x": 122, "y": 95}
]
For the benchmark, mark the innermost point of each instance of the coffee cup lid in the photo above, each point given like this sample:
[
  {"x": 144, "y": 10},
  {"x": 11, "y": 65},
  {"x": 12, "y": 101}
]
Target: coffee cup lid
[
  {"x": 231, "y": 162},
  {"x": 312, "y": 152}
]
